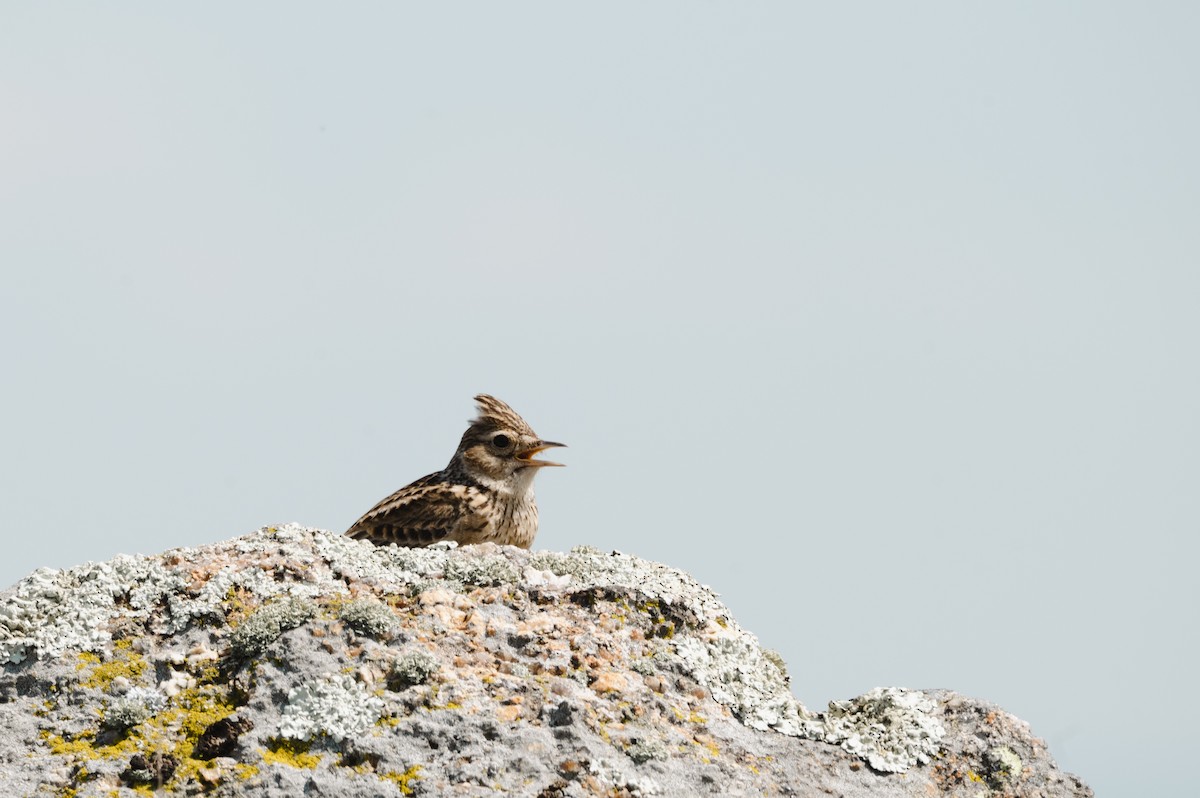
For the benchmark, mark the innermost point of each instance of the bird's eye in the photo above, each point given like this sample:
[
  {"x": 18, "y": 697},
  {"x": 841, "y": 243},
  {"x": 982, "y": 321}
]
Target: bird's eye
[{"x": 501, "y": 441}]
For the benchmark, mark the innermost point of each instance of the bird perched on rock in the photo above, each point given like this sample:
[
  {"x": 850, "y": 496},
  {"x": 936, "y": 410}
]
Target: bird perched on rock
[{"x": 485, "y": 493}]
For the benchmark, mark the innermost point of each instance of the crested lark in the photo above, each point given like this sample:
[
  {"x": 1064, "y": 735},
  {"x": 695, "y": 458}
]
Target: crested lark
[{"x": 485, "y": 493}]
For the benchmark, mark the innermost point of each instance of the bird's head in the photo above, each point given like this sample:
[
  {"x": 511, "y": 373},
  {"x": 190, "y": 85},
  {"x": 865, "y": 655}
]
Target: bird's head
[{"x": 500, "y": 447}]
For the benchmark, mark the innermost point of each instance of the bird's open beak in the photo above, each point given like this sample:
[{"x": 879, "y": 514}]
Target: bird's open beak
[{"x": 526, "y": 455}]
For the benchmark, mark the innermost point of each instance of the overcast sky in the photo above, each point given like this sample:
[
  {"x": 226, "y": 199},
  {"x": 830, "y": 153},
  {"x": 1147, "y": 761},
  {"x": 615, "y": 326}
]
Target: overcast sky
[{"x": 879, "y": 318}]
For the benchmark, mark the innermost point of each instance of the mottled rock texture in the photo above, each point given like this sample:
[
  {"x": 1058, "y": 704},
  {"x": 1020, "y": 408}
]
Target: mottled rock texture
[{"x": 293, "y": 661}]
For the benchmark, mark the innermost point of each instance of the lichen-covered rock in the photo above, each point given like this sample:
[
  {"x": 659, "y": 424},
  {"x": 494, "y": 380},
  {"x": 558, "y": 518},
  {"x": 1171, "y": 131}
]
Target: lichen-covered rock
[
  {"x": 334, "y": 707},
  {"x": 294, "y": 661},
  {"x": 254, "y": 636},
  {"x": 369, "y": 617},
  {"x": 137, "y": 705}
]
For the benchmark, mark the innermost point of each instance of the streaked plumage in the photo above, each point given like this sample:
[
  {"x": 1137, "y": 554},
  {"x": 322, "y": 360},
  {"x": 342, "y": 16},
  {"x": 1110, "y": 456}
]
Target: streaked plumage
[{"x": 485, "y": 493}]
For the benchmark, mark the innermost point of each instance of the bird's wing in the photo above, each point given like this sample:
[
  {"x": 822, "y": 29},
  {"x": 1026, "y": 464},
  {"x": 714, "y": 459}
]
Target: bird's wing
[{"x": 425, "y": 512}]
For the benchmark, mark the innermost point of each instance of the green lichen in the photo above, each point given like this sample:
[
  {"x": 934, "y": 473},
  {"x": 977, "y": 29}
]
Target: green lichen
[
  {"x": 264, "y": 626},
  {"x": 581, "y": 563},
  {"x": 709, "y": 745},
  {"x": 368, "y": 617},
  {"x": 411, "y": 669},
  {"x": 643, "y": 751},
  {"x": 644, "y": 666},
  {"x": 481, "y": 571},
  {"x": 78, "y": 745},
  {"x": 197, "y": 710},
  {"x": 689, "y": 716}
]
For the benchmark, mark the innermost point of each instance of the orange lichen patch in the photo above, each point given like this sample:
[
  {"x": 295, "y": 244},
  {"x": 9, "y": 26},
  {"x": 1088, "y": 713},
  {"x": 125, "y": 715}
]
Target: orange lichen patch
[
  {"x": 475, "y": 624},
  {"x": 606, "y": 654},
  {"x": 446, "y": 615},
  {"x": 488, "y": 595},
  {"x": 610, "y": 681}
]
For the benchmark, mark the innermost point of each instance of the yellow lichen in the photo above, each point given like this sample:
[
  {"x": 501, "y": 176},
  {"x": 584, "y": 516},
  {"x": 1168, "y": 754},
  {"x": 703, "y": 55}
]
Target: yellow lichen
[
  {"x": 82, "y": 748},
  {"x": 403, "y": 780},
  {"x": 125, "y": 663},
  {"x": 431, "y": 700},
  {"x": 238, "y": 604},
  {"x": 663, "y": 627},
  {"x": 447, "y": 705},
  {"x": 197, "y": 711},
  {"x": 292, "y": 753},
  {"x": 173, "y": 731},
  {"x": 690, "y": 717},
  {"x": 81, "y": 745},
  {"x": 245, "y": 771}
]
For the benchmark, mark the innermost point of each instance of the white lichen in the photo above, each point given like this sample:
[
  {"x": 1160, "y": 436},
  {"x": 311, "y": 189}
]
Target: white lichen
[
  {"x": 613, "y": 779},
  {"x": 51, "y": 611},
  {"x": 653, "y": 581},
  {"x": 1004, "y": 766},
  {"x": 335, "y": 706},
  {"x": 537, "y": 578},
  {"x": 137, "y": 705},
  {"x": 739, "y": 675},
  {"x": 892, "y": 728}
]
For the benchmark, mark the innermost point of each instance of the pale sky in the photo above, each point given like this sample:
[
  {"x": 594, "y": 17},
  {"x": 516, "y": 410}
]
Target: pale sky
[{"x": 882, "y": 319}]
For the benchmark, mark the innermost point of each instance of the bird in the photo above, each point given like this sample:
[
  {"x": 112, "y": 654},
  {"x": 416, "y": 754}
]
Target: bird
[{"x": 484, "y": 494}]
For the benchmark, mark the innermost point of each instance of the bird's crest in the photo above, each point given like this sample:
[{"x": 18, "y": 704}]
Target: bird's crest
[{"x": 494, "y": 414}]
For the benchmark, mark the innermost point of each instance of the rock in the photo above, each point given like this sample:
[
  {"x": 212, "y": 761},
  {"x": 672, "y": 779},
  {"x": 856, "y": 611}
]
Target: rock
[
  {"x": 294, "y": 661},
  {"x": 221, "y": 738}
]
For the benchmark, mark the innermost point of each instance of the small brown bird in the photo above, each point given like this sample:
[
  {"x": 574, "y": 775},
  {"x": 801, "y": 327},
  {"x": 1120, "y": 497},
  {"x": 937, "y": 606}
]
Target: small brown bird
[{"x": 485, "y": 493}]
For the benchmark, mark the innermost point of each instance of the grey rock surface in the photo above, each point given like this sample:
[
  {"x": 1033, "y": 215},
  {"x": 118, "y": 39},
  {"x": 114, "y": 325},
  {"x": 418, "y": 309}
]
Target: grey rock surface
[{"x": 294, "y": 661}]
